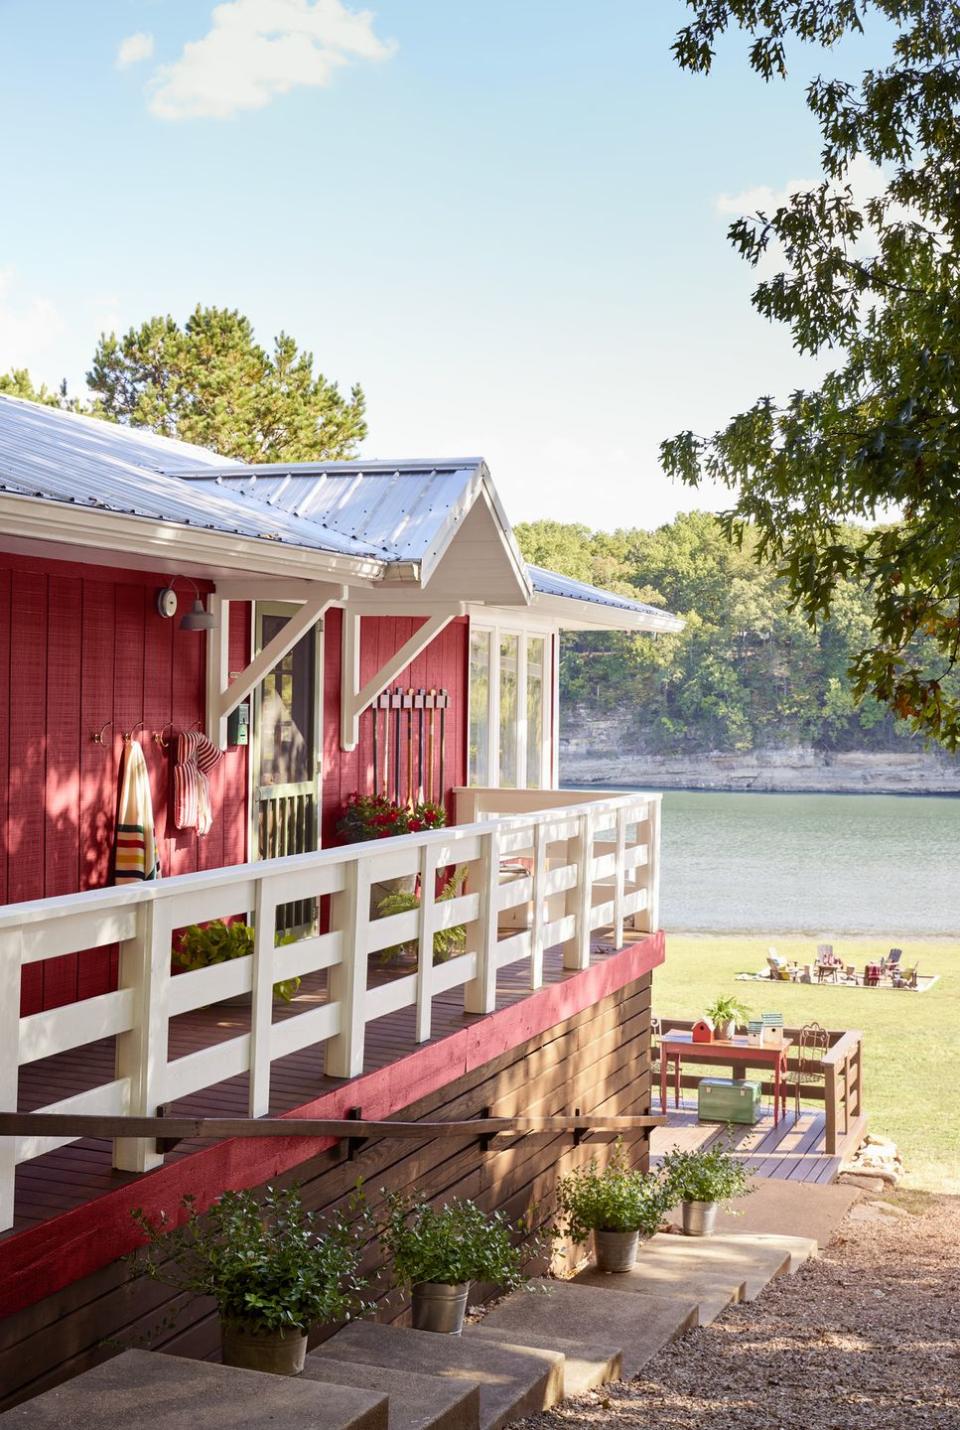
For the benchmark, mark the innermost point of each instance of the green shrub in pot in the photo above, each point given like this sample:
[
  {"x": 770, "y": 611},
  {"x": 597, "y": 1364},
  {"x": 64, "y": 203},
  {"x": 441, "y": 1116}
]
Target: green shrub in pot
[
  {"x": 202, "y": 945},
  {"x": 447, "y": 943},
  {"x": 701, "y": 1181},
  {"x": 273, "y": 1269},
  {"x": 617, "y": 1205},
  {"x": 438, "y": 1251}
]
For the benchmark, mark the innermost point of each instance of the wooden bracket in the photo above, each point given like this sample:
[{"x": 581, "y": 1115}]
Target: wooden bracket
[
  {"x": 486, "y": 1138},
  {"x": 353, "y": 699},
  {"x": 355, "y": 1144},
  {"x": 225, "y": 694},
  {"x": 578, "y": 1132},
  {"x": 166, "y": 1144}
]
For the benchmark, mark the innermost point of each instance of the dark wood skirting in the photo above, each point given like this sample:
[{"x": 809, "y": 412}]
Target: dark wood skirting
[{"x": 583, "y": 1042}]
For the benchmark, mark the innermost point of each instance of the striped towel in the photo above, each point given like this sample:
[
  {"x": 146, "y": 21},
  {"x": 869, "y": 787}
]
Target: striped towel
[
  {"x": 136, "y": 854},
  {"x": 196, "y": 757}
]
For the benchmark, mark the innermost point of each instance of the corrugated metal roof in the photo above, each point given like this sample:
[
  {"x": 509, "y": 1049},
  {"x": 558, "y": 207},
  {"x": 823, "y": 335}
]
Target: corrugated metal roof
[
  {"x": 551, "y": 583},
  {"x": 395, "y": 507},
  {"x": 65, "y": 457}
]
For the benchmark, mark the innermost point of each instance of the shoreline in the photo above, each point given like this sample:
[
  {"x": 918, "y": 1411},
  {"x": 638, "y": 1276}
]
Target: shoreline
[{"x": 657, "y": 788}]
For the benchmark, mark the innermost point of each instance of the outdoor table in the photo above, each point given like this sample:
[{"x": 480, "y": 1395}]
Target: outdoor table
[{"x": 736, "y": 1051}]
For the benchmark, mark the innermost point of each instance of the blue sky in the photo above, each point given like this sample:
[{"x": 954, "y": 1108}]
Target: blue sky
[{"x": 505, "y": 218}]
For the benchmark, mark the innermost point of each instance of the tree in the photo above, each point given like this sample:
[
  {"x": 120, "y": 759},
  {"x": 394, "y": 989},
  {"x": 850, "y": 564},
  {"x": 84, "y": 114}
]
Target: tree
[
  {"x": 875, "y": 279},
  {"x": 211, "y": 383},
  {"x": 18, "y": 383}
]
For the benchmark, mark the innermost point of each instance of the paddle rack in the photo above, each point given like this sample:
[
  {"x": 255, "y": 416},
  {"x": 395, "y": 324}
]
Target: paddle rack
[{"x": 409, "y": 729}]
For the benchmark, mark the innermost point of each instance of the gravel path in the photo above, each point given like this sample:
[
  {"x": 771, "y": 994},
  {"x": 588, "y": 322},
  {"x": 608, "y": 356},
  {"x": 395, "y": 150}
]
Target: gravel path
[{"x": 865, "y": 1338}]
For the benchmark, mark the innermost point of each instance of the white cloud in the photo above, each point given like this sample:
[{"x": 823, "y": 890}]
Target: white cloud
[
  {"x": 258, "y": 49},
  {"x": 134, "y": 49},
  {"x": 865, "y": 178},
  {"x": 31, "y": 328}
]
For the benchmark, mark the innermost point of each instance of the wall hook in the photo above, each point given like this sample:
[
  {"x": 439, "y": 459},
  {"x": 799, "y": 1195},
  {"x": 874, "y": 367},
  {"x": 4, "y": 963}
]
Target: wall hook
[
  {"x": 97, "y": 735},
  {"x": 129, "y": 734}
]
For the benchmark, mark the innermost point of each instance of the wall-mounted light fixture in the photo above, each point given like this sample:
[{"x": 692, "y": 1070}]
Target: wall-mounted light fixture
[{"x": 196, "y": 619}]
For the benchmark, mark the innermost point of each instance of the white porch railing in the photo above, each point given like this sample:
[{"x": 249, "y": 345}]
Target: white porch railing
[{"x": 575, "y": 867}]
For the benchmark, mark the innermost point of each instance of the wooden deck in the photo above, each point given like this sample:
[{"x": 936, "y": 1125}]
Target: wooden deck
[
  {"x": 792, "y": 1151},
  {"x": 80, "y": 1172}
]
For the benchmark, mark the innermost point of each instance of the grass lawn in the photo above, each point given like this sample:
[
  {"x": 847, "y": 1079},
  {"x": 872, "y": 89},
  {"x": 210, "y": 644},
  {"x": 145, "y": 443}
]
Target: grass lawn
[{"x": 911, "y": 1042}]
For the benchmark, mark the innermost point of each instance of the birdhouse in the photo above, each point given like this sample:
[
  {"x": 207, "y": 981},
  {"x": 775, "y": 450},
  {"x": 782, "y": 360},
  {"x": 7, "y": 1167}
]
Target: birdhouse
[{"x": 702, "y": 1031}]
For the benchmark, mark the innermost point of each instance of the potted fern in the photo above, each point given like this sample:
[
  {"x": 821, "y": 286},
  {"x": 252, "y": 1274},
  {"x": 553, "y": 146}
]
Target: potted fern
[
  {"x": 437, "y": 1252},
  {"x": 617, "y": 1205},
  {"x": 701, "y": 1181},
  {"x": 725, "y": 1013},
  {"x": 273, "y": 1269}
]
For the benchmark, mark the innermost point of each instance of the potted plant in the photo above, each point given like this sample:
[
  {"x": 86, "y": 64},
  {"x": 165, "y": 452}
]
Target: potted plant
[
  {"x": 447, "y": 943},
  {"x": 201, "y": 945},
  {"x": 374, "y": 816},
  {"x": 701, "y": 1180},
  {"x": 725, "y": 1013},
  {"x": 273, "y": 1269},
  {"x": 438, "y": 1251},
  {"x": 618, "y": 1205}
]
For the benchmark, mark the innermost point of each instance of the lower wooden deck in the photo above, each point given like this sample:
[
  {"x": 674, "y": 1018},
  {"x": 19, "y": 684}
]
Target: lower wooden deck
[
  {"x": 79, "y": 1173},
  {"x": 794, "y": 1150}
]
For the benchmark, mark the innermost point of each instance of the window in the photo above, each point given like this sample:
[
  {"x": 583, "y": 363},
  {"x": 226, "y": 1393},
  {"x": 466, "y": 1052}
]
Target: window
[
  {"x": 479, "y": 734},
  {"x": 509, "y": 708},
  {"x": 535, "y": 705}
]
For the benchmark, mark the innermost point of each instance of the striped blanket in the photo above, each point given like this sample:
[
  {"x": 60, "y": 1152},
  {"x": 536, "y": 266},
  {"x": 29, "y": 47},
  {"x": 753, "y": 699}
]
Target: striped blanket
[
  {"x": 136, "y": 855},
  {"x": 192, "y": 805}
]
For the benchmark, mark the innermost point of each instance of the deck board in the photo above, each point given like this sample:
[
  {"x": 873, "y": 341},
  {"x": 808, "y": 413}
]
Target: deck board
[{"x": 791, "y": 1151}]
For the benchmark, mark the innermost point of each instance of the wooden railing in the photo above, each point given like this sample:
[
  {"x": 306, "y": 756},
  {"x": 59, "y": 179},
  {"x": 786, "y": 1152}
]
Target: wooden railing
[
  {"x": 576, "y": 868},
  {"x": 839, "y": 1088}
]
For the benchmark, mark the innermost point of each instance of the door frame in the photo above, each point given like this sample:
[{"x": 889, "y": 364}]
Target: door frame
[{"x": 284, "y": 608}]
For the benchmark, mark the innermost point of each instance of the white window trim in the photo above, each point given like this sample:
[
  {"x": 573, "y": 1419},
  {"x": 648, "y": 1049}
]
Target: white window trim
[{"x": 496, "y": 630}]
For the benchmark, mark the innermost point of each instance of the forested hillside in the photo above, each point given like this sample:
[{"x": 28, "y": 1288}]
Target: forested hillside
[{"x": 746, "y": 673}]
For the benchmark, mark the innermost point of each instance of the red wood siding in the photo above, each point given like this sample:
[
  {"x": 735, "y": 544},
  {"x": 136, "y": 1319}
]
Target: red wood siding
[
  {"x": 80, "y": 645},
  {"x": 442, "y": 664}
]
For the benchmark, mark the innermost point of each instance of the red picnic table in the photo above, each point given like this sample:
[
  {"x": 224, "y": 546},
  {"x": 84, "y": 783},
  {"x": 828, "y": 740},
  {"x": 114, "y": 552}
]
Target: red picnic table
[{"x": 737, "y": 1051}]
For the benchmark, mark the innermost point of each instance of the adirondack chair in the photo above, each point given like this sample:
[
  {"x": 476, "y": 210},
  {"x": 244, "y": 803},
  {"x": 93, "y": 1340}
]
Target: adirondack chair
[
  {"x": 778, "y": 969},
  {"x": 891, "y": 964},
  {"x": 827, "y": 965}
]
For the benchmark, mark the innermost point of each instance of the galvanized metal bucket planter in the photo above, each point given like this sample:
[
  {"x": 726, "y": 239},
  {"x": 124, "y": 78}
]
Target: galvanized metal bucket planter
[
  {"x": 699, "y": 1218},
  {"x": 616, "y": 1250},
  {"x": 276, "y": 1352},
  {"x": 438, "y": 1306}
]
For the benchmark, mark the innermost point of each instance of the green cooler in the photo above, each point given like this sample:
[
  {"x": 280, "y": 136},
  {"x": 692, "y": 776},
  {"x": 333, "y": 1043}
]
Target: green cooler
[{"x": 725, "y": 1099}]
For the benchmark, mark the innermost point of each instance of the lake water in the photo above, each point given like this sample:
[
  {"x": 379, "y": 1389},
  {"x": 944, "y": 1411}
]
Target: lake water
[{"x": 811, "y": 863}]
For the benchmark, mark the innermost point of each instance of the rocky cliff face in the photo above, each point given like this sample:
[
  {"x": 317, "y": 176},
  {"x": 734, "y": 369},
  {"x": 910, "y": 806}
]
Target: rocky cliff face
[{"x": 603, "y": 750}]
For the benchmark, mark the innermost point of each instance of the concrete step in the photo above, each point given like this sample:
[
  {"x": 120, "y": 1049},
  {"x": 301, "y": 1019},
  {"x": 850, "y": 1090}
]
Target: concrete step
[
  {"x": 708, "y": 1291},
  {"x": 779, "y": 1207},
  {"x": 417, "y": 1402},
  {"x": 139, "y": 1388},
  {"x": 584, "y": 1366},
  {"x": 744, "y": 1257},
  {"x": 512, "y": 1382},
  {"x": 592, "y": 1315}
]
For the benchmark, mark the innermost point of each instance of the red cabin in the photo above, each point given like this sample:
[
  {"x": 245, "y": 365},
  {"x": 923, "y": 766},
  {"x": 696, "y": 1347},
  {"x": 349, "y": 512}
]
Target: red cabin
[{"x": 328, "y": 629}]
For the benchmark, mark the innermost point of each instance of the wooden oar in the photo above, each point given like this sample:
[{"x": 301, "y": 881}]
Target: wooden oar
[
  {"x": 431, "y": 701},
  {"x": 411, "y": 800}
]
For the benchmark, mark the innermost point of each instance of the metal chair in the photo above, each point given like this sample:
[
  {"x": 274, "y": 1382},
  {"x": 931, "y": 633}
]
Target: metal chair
[{"x": 811, "y": 1046}]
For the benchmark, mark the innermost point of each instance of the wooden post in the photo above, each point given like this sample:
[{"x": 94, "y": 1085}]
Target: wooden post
[
  {"x": 11, "y": 960},
  {"x": 576, "y": 953},
  {"x": 830, "y": 1110},
  {"x": 141, "y": 1054},
  {"x": 618, "y": 876},
  {"x": 539, "y": 905},
  {"x": 480, "y": 994},
  {"x": 350, "y": 912},
  {"x": 428, "y": 882},
  {"x": 648, "y": 920},
  {"x": 261, "y": 1016}
]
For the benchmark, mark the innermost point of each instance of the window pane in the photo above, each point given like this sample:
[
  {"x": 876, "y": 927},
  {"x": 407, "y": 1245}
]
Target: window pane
[
  {"x": 535, "y": 712},
  {"x": 509, "y": 665},
  {"x": 479, "y": 707}
]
